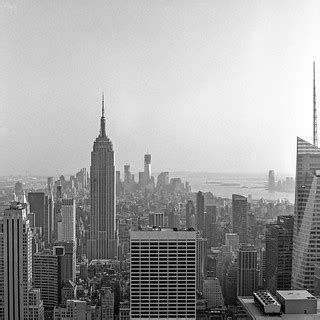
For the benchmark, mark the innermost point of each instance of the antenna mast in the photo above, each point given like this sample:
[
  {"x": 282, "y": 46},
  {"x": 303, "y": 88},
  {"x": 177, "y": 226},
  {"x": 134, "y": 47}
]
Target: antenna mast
[{"x": 315, "y": 129}]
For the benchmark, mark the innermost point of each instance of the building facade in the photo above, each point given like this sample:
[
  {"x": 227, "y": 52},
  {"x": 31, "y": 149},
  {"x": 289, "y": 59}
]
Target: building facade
[
  {"x": 306, "y": 234},
  {"x": 240, "y": 216},
  {"x": 163, "y": 274}
]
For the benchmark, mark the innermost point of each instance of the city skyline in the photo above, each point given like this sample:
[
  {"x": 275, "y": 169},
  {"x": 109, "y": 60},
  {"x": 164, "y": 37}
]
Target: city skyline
[{"x": 193, "y": 85}]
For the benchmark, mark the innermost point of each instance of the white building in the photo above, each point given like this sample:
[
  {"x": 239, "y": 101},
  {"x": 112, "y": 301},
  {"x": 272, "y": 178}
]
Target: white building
[
  {"x": 163, "y": 274},
  {"x": 67, "y": 225},
  {"x": 16, "y": 294}
]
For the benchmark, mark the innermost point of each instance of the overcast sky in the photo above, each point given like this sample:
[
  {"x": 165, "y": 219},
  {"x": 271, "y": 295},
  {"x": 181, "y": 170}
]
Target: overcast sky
[{"x": 219, "y": 86}]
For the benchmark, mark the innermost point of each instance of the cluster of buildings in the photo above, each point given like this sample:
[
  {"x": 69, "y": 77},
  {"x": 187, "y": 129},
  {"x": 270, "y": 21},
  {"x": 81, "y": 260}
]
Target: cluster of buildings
[{"x": 100, "y": 247}]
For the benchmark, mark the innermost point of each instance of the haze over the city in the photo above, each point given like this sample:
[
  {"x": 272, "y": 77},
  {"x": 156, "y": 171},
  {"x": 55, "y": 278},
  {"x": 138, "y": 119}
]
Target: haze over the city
[{"x": 219, "y": 86}]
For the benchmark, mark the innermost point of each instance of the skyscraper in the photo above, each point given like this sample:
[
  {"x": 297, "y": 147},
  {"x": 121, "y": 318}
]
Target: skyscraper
[
  {"x": 67, "y": 225},
  {"x": 102, "y": 243},
  {"x": 306, "y": 234},
  {"x": 247, "y": 270},
  {"x": 15, "y": 263},
  {"x": 200, "y": 212},
  {"x": 189, "y": 214},
  {"x": 163, "y": 274},
  {"x": 271, "y": 181},
  {"x": 279, "y": 241},
  {"x": 240, "y": 216},
  {"x": 147, "y": 168}
]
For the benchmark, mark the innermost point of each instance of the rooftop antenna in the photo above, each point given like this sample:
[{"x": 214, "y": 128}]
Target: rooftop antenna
[{"x": 315, "y": 129}]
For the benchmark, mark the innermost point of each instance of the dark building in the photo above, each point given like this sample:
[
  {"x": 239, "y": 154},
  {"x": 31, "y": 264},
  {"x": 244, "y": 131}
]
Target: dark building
[
  {"x": 210, "y": 218},
  {"x": 37, "y": 206},
  {"x": 189, "y": 214},
  {"x": 271, "y": 181},
  {"x": 200, "y": 223},
  {"x": 102, "y": 243},
  {"x": 279, "y": 243},
  {"x": 240, "y": 216},
  {"x": 247, "y": 270}
]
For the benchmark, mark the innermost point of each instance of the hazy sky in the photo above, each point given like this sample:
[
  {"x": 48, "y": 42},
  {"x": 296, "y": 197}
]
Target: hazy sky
[{"x": 220, "y": 86}]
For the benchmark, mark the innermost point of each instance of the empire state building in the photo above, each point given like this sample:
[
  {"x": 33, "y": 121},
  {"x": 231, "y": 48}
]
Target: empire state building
[{"x": 102, "y": 243}]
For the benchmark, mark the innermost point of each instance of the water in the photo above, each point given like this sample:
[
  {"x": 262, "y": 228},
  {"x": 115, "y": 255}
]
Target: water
[{"x": 224, "y": 185}]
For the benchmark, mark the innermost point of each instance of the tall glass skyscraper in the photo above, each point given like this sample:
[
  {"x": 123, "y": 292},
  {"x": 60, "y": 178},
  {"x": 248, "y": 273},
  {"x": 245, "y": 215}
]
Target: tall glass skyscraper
[
  {"x": 306, "y": 235},
  {"x": 102, "y": 243}
]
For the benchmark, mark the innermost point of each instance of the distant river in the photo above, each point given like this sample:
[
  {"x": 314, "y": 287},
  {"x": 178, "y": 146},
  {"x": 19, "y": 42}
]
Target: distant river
[{"x": 224, "y": 185}]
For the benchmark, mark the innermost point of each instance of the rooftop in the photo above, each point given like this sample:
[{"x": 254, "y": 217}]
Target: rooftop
[
  {"x": 251, "y": 308},
  {"x": 295, "y": 294}
]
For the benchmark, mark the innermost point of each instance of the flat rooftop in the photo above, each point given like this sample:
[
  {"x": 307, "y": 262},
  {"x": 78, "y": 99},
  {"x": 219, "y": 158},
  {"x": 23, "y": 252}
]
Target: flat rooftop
[
  {"x": 254, "y": 311},
  {"x": 163, "y": 233},
  {"x": 295, "y": 294}
]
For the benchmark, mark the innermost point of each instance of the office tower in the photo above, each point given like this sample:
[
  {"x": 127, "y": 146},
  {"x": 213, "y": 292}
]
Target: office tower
[
  {"x": 47, "y": 278},
  {"x": 48, "y": 228},
  {"x": 271, "y": 181},
  {"x": 156, "y": 219},
  {"x": 19, "y": 192},
  {"x": 15, "y": 263},
  {"x": 127, "y": 174},
  {"x": 67, "y": 225},
  {"x": 232, "y": 240},
  {"x": 247, "y": 270},
  {"x": 189, "y": 214},
  {"x": 231, "y": 283},
  {"x": 212, "y": 292},
  {"x": 202, "y": 261},
  {"x": 163, "y": 274},
  {"x": 240, "y": 216},
  {"x": 37, "y": 206},
  {"x": 147, "y": 167},
  {"x": 107, "y": 303},
  {"x": 68, "y": 260},
  {"x": 163, "y": 180},
  {"x": 306, "y": 245},
  {"x": 279, "y": 242},
  {"x": 200, "y": 223},
  {"x": 102, "y": 243},
  {"x": 210, "y": 217}
]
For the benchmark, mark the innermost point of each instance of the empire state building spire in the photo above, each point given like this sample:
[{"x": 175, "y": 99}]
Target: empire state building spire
[{"x": 103, "y": 120}]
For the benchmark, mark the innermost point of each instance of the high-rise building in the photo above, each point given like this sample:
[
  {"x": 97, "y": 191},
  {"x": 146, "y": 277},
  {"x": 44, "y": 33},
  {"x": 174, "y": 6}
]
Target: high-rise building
[
  {"x": 240, "y": 216},
  {"x": 202, "y": 261},
  {"x": 68, "y": 260},
  {"x": 156, "y": 219},
  {"x": 67, "y": 225},
  {"x": 212, "y": 292},
  {"x": 247, "y": 270},
  {"x": 189, "y": 214},
  {"x": 47, "y": 278},
  {"x": 102, "y": 243},
  {"x": 107, "y": 303},
  {"x": 147, "y": 167},
  {"x": 200, "y": 223},
  {"x": 306, "y": 245},
  {"x": 279, "y": 242},
  {"x": 163, "y": 274},
  {"x": 37, "y": 206},
  {"x": 15, "y": 263},
  {"x": 271, "y": 181},
  {"x": 163, "y": 180},
  {"x": 127, "y": 174},
  {"x": 232, "y": 240}
]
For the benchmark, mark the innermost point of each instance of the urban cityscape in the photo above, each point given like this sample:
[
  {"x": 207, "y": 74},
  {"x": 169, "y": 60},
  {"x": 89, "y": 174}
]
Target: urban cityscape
[{"x": 108, "y": 242}]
